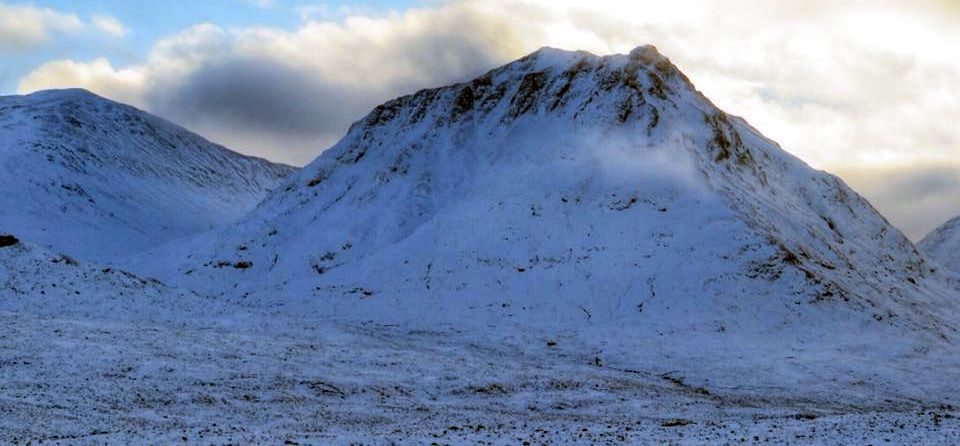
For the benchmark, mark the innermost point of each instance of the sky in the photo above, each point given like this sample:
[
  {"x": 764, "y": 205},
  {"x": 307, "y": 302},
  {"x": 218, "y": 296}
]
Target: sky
[{"x": 865, "y": 89}]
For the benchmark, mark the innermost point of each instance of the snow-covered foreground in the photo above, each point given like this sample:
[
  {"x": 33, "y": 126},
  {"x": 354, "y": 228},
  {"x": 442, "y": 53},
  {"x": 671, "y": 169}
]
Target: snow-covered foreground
[
  {"x": 121, "y": 378},
  {"x": 92, "y": 355}
]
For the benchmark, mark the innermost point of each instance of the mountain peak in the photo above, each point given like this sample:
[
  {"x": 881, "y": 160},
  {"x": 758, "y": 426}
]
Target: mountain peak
[
  {"x": 54, "y": 97},
  {"x": 556, "y": 56},
  {"x": 543, "y": 181},
  {"x": 645, "y": 52},
  {"x": 63, "y": 93},
  {"x": 577, "y": 84},
  {"x": 72, "y": 110}
]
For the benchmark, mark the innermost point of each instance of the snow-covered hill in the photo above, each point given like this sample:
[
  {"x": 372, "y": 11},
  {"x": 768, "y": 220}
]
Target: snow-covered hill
[
  {"x": 101, "y": 180},
  {"x": 943, "y": 245},
  {"x": 569, "y": 190}
]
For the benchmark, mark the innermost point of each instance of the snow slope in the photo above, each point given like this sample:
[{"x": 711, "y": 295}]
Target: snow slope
[
  {"x": 943, "y": 245},
  {"x": 102, "y": 180}
]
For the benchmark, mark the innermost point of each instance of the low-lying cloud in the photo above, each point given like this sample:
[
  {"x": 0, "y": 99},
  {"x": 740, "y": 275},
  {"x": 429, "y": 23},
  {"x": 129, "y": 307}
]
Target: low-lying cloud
[{"x": 916, "y": 199}]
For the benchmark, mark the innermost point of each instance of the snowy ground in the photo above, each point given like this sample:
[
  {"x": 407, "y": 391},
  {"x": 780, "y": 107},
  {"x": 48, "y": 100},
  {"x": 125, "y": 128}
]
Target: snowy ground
[{"x": 120, "y": 379}]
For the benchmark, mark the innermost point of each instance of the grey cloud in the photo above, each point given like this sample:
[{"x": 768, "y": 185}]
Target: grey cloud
[
  {"x": 261, "y": 107},
  {"x": 915, "y": 199},
  {"x": 290, "y": 109},
  {"x": 258, "y": 95}
]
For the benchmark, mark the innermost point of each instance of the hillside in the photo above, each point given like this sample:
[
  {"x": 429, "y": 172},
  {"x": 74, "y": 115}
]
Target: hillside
[
  {"x": 569, "y": 188},
  {"x": 943, "y": 245},
  {"x": 101, "y": 180}
]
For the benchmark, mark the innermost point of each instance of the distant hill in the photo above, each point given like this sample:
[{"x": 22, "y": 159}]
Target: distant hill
[{"x": 102, "y": 180}]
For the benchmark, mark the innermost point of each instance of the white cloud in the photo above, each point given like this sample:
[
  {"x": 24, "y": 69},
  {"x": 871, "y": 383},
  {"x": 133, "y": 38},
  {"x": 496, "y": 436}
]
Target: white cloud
[
  {"x": 98, "y": 75},
  {"x": 261, "y": 3},
  {"x": 845, "y": 85},
  {"x": 23, "y": 27},
  {"x": 108, "y": 25}
]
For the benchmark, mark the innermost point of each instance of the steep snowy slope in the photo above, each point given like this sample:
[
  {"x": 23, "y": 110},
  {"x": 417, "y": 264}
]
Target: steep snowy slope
[
  {"x": 566, "y": 189},
  {"x": 943, "y": 244},
  {"x": 101, "y": 180}
]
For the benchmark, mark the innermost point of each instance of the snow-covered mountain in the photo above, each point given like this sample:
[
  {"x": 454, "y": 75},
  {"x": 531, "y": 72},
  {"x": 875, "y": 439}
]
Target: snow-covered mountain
[
  {"x": 566, "y": 188},
  {"x": 570, "y": 249},
  {"x": 943, "y": 244},
  {"x": 101, "y": 180}
]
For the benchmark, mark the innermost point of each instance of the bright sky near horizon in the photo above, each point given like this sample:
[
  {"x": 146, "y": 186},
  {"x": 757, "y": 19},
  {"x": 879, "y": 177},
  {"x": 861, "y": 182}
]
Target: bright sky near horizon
[{"x": 862, "y": 88}]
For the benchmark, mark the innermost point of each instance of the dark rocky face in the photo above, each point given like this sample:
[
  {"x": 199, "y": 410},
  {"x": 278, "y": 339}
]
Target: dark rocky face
[{"x": 8, "y": 240}]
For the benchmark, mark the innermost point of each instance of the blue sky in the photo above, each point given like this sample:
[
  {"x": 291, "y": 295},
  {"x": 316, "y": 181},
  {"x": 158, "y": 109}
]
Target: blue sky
[
  {"x": 153, "y": 19},
  {"x": 146, "y": 21}
]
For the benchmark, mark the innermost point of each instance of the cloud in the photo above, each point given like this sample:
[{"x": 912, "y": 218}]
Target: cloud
[
  {"x": 289, "y": 94},
  {"x": 24, "y": 27},
  {"x": 917, "y": 199},
  {"x": 108, "y": 25},
  {"x": 263, "y": 4},
  {"x": 126, "y": 85},
  {"x": 313, "y": 12},
  {"x": 855, "y": 86}
]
